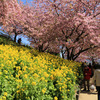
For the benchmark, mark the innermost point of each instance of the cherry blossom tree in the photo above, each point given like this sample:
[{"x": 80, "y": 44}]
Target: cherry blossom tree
[
  {"x": 11, "y": 17},
  {"x": 73, "y": 25},
  {"x": 69, "y": 26},
  {"x": 3, "y": 10},
  {"x": 20, "y": 19}
]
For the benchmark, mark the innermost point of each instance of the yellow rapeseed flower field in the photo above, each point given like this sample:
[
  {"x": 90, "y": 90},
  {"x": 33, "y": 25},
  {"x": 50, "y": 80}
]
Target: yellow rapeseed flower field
[{"x": 25, "y": 76}]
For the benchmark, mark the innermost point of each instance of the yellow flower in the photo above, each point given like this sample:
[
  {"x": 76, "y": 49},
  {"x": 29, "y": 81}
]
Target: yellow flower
[
  {"x": 33, "y": 83},
  {"x": 55, "y": 98},
  {"x": 17, "y": 76},
  {"x": 18, "y": 86},
  {"x": 20, "y": 72},
  {"x": 9, "y": 62},
  {"x": 22, "y": 89},
  {"x": 5, "y": 93},
  {"x": 43, "y": 90},
  {"x": 18, "y": 91},
  {"x": 3, "y": 98},
  {"x": 64, "y": 75},
  {"x": 18, "y": 68},
  {"x": 46, "y": 80},
  {"x": 5, "y": 71},
  {"x": 11, "y": 75},
  {"x": 62, "y": 96},
  {"x": 51, "y": 77},
  {"x": 36, "y": 75},
  {"x": 68, "y": 90},
  {"x": 45, "y": 74},
  {"x": 0, "y": 73},
  {"x": 19, "y": 81},
  {"x": 63, "y": 87},
  {"x": 60, "y": 88},
  {"x": 25, "y": 68},
  {"x": 68, "y": 78},
  {"x": 25, "y": 75},
  {"x": 42, "y": 78},
  {"x": 14, "y": 62},
  {"x": 6, "y": 77},
  {"x": 2, "y": 65}
]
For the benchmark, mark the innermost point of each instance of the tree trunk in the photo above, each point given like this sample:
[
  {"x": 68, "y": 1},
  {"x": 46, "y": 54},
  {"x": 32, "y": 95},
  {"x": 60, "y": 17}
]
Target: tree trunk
[
  {"x": 93, "y": 62},
  {"x": 63, "y": 55},
  {"x": 15, "y": 37},
  {"x": 54, "y": 53},
  {"x": 41, "y": 48}
]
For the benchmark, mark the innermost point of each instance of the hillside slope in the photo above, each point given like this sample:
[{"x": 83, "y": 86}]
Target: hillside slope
[{"x": 27, "y": 74}]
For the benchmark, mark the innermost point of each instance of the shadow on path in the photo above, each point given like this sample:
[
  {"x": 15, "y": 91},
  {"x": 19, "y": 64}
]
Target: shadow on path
[{"x": 88, "y": 92}]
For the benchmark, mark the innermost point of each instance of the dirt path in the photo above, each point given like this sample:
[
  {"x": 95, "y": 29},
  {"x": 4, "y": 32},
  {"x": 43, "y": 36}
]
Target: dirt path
[{"x": 88, "y": 95}]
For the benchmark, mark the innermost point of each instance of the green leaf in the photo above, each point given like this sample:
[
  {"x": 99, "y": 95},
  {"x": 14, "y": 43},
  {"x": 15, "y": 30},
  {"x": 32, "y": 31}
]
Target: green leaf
[{"x": 26, "y": 92}]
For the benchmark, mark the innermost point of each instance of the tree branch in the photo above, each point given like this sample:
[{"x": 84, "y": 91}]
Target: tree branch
[
  {"x": 78, "y": 37},
  {"x": 76, "y": 55},
  {"x": 96, "y": 15},
  {"x": 67, "y": 53},
  {"x": 72, "y": 53}
]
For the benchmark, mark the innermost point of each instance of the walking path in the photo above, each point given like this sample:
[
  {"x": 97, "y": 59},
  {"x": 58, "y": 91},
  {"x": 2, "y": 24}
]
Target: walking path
[{"x": 88, "y": 95}]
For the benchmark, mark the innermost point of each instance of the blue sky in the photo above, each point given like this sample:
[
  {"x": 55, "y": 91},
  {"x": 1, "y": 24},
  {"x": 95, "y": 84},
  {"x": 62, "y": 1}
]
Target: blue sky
[{"x": 24, "y": 1}]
